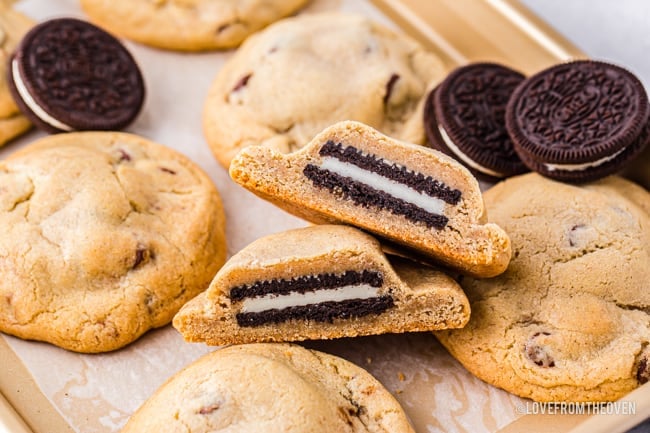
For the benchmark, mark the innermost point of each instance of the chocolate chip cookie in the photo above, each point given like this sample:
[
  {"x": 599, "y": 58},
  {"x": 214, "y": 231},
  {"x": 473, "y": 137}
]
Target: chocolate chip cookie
[
  {"x": 271, "y": 388},
  {"x": 105, "y": 235},
  {"x": 300, "y": 75},
  {"x": 188, "y": 25},
  {"x": 569, "y": 320}
]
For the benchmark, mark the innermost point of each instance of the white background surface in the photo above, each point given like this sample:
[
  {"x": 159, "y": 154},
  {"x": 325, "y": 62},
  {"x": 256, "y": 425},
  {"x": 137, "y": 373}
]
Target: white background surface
[{"x": 614, "y": 30}]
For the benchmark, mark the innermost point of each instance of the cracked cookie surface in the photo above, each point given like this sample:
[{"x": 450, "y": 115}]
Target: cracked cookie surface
[
  {"x": 569, "y": 320},
  {"x": 106, "y": 235},
  {"x": 272, "y": 388},
  {"x": 188, "y": 25},
  {"x": 290, "y": 81}
]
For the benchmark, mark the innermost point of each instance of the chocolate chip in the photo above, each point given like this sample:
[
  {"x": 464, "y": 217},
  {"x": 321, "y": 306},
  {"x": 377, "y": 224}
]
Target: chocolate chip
[
  {"x": 537, "y": 334},
  {"x": 139, "y": 257},
  {"x": 124, "y": 156},
  {"x": 142, "y": 255},
  {"x": 345, "y": 414},
  {"x": 167, "y": 170},
  {"x": 207, "y": 410},
  {"x": 223, "y": 27},
  {"x": 574, "y": 233},
  {"x": 243, "y": 81},
  {"x": 150, "y": 302},
  {"x": 389, "y": 87},
  {"x": 358, "y": 409},
  {"x": 643, "y": 369},
  {"x": 538, "y": 354}
]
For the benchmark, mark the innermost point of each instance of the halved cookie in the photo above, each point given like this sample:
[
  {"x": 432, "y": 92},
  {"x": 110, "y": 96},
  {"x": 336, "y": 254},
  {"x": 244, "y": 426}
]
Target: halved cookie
[
  {"x": 409, "y": 194},
  {"x": 325, "y": 281},
  {"x": 271, "y": 388}
]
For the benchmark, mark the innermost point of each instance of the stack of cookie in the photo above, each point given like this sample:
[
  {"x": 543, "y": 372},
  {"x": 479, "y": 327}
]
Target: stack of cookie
[
  {"x": 428, "y": 204},
  {"x": 575, "y": 122},
  {"x": 330, "y": 281},
  {"x": 348, "y": 173},
  {"x": 288, "y": 148}
]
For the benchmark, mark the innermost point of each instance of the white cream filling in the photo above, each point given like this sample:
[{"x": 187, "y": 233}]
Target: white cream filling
[
  {"x": 398, "y": 190},
  {"x": 279, "y": 302},
  {"x": 31, "y": 103},
  {"x": 584, "y": 166},
  {"x": 466, "y": 159}
]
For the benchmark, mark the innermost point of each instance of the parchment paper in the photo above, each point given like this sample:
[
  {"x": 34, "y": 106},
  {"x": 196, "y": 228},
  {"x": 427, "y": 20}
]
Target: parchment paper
[{"x": 97, "y": 393}]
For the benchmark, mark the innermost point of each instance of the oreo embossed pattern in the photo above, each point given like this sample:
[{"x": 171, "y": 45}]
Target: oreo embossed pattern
[
  {"x": 464, "y": 117},
  {"x": 579, "y": 121},
  {"x": 70, "y": 75}
]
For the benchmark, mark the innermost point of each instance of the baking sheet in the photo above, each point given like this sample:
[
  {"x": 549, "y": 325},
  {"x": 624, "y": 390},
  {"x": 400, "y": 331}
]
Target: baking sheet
[
  {"x": 462, "y": 31},
  {"x": 97, "y": 393}
]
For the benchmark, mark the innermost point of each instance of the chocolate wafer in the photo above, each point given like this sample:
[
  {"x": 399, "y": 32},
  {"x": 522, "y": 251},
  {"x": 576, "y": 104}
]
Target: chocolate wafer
[
  {"x": 579, "y": 121},
  {"x": 464, "y": 118},
  {"x": 70, "y": 75}
]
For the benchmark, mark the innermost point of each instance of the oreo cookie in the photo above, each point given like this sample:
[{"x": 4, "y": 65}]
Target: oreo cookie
[
  {"x": 579, "y": 121},
  {"x": 69, "y": 75},
  {"x": 464, "y": 118}
]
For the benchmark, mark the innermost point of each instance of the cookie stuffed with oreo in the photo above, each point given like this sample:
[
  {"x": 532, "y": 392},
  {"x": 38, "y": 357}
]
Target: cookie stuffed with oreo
[
  {"x": 579, "y": 121},
  {"x": 69, "y": 75},
  {"x": 464, "y": 117}
]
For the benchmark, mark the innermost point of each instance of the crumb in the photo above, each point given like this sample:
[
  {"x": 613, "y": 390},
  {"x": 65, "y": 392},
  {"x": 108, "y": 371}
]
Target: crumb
[
  {"x": 399, "y": 391},
  {"x": 401, "y": 376},
  {"x": 368, "y": 360}
]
